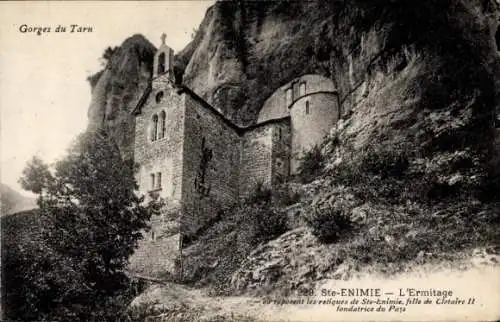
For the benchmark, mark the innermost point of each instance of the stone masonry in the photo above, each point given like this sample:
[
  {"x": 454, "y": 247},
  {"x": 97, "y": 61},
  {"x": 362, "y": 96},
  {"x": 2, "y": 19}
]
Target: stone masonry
[{"x": 199, "y": 162}]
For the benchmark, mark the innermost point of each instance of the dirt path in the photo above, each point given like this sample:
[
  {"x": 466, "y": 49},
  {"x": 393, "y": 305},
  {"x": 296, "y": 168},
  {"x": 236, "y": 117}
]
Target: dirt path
[{"x": 174, "y": 302}]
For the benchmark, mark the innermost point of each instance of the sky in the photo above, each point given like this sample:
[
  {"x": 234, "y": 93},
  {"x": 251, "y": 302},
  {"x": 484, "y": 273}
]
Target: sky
[{"x": 44, "y": 94}]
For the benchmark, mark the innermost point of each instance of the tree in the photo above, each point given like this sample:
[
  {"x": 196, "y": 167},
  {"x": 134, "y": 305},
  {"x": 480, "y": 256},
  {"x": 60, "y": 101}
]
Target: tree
[
  {"x": 36, "y": 175},
  {"x": 108, "y": 54},
  {"x": 92, "y": 221}
]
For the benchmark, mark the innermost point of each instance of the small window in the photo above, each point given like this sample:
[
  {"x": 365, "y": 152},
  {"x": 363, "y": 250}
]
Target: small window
[
  {"x": 302, "y": 89},
  {"x": 159, "y": 96},
  {"x": 152, "y": 178},
  {"x": 154, "y": 128},
  {"x": 161, "y": 64},
  {"x": 162, "y": 128},
  {"x": 307, "y": 107},
  {"x": 279, "y": 163},
  {"x": 279, "y": 133},
  {"x": 158, "y": 180},
  {"x": 288, "y": 97},
  {"x": 497, "y": 38}
]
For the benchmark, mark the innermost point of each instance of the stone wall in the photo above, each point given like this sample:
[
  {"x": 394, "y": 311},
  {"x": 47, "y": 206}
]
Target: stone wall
[
  {"x": 281, "y": 145},
  {"x": 211, "y": 165},
  {"x": 159, "y": 249},
  {"x": 310, "y": 129},
  {"x": 165, "y": 154},
  {"x": 256, "y": 159}
]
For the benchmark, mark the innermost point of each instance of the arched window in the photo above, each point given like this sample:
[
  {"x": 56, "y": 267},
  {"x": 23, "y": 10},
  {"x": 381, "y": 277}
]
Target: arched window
[
  {"x": 159, "y": 96},
  {"x": 154, "y": 128},
  {"x": 307, "y": 107},
  {"x": 302, "y": 89},
  {"x": 162, "y": 128},
  {"x": 161, "y": 64}
]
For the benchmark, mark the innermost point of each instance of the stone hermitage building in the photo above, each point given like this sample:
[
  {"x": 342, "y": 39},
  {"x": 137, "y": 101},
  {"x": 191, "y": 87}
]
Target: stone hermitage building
[{"x": 199, "y": 161}]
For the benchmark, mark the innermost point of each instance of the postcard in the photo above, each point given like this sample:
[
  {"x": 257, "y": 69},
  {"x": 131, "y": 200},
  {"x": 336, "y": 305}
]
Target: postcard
[{"x": 250, "y": 160}]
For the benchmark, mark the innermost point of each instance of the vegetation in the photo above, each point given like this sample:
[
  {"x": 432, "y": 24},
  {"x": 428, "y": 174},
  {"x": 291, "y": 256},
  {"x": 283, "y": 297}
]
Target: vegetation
[
  {"x": 109, "y": 52},
  {"x": 90, "y": 221},
  {"x": 217, "y": 253},
  {"x": 329, "y": 224},
  {"x": 311, "y": 163},
  {"x": 284, "y": 195}
]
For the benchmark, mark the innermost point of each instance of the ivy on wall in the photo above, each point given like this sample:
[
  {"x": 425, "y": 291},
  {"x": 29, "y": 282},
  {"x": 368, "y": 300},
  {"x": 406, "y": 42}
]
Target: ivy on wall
[{"x": 200, "y": 185}]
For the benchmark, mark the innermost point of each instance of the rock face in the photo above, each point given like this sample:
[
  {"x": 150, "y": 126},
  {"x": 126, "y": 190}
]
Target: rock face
[
  {"x": 117, "y": 88},
  {"x": 245, "y": 50}
]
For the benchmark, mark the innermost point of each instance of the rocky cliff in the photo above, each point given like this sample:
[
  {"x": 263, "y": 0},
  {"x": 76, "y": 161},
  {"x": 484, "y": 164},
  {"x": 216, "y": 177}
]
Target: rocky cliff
[
  {"x": 442, "y": 57},
  {"x": 117, "y": 88}
]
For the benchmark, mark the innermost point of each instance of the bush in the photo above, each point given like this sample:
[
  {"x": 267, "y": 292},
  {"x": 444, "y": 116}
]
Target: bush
[
  {"x": 265, "y": 221},
  {"x": 384, "y": 162},
  {"x": 280, "y": 196},
  {"x": 376, "y": 174},
  {"x": 283, "y": 196},
  {"x": 311, "y": 164},
  {"x": 329, "y": 224},
  {"x": 260, "y": 194},
  {"x": 270, "y": 223}
]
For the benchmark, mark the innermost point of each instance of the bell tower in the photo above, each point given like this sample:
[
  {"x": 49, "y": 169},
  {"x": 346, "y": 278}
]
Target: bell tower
[{"x": 163, "y": 67}]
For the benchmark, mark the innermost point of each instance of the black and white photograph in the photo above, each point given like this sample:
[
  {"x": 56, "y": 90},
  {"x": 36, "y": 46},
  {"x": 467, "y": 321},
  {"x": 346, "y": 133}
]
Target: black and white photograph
[{"x": 243, "y": 160}]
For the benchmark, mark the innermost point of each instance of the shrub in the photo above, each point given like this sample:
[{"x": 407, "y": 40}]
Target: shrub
[
  {"x": 266, "y": 220},
  {"x": 261, "y": 193},
  {"x": 384, "y": 161},
  {"x": 329, "y": 224},
  {"x": 376, "y": 173},
  {"x": 311, "y": 163},
  {"x": 283, "y": 196},
  {"x": 270, "y": 223}
]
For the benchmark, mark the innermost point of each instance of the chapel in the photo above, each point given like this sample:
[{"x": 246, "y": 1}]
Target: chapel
[{"x": 199, "y": 161}]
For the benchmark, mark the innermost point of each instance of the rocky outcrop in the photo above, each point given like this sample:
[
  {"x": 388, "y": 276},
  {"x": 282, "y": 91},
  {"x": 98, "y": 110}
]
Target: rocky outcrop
[
  {"x": 394, "y": 65},
  {"x": 118, "y": 87}
]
